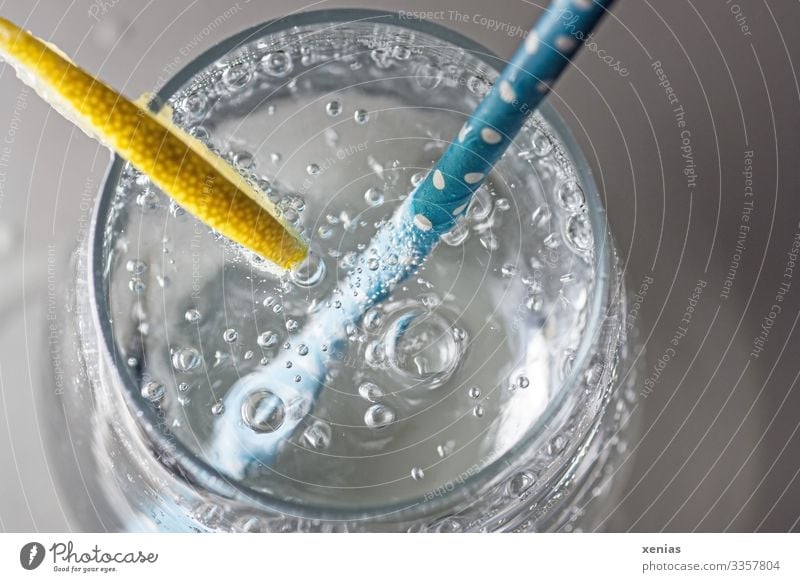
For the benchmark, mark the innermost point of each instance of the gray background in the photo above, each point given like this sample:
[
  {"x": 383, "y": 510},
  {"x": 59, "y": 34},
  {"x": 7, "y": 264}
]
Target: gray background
[{"x": 719, "y": 448}]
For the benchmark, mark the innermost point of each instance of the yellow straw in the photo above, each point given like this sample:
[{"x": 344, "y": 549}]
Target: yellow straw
[{"x": 184, "y": 168}]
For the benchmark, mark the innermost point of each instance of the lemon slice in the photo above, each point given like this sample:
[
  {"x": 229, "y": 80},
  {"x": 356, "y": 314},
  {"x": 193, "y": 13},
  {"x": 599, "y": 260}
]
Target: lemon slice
[{"x": 201, "y": 182}]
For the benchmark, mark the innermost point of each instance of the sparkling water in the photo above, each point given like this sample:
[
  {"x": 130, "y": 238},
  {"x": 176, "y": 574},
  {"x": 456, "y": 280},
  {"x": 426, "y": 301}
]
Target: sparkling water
[{"x": 432, "y": 384}]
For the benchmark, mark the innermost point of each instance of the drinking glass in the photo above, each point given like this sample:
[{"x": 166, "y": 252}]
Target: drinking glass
[{"x": 531, "y": 450}]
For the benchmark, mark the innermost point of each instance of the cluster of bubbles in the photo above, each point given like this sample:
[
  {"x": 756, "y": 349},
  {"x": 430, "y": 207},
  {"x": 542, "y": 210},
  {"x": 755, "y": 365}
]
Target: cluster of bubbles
[{"x": 417, "y": 342}]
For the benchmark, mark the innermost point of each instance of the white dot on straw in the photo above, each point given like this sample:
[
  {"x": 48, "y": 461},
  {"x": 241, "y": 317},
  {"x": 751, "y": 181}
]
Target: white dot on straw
[
  {"x": 490, "y": 136},
  {"x": 543, "y": 86},
  {"x": 532, "y": 43},
  {"x": 565, "y": 43},
  {"x": 507, "y": 92},
  {"x": 473, "y": 177},
  {"x": 459, "y": 210},
  {"x": 422, "y": 222},
  {"x": 463, "y": 133},
  {"x": 584, "y": 4},
  {"x": 438, "y": 180}
]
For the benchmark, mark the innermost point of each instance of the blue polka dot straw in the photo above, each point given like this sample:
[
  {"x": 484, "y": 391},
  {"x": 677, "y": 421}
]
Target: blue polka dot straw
[
  {"x": 430, "y": 211},
  {"x": 444, "y": 195}
]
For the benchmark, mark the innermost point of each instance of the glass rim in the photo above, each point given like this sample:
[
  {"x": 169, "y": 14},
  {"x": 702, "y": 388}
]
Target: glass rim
[{"x": 206, "y": 475}]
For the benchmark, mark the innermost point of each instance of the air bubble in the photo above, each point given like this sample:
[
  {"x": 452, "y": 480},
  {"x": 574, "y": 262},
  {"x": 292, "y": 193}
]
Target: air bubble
[
  {"x": 333, "y": 108},
  {"x": 373, "y": 196},
  {"x": 481, "y": 205},
  {"x": 474, "y": 392},
  {"x": 318, "y": 435},
  {"x": 478, "y": 85},
  {"x": 379, "y": 416},
  {"x": 502, "y": 204},
  {"x": 557, "y": 445},
  {"x": 230, "y": 335},
  {"x": 243, "y": 160},
  {"x": 298, "y": 407},
  {"x": 237, "y": 76},
  {"x": 445, "y": 449},
  {"x": 361, "y": 116},
  {"x": 520, "y": 483},
  {"x": 540, "y": 217},
  {"x": 540, "y": 142},
  {"x": 428, "y": 76},
  {"x": 312, "y": 169},
  {"x": 310, "y": 272},
  {"x": 373, "y": 319},
  {"x": 148, "y": 200},
  {"x": 509, "y": 271},
  {"x": 263, "y": 411},
  {"x": 267, "y": 339},
  {"x": 136, "y": 285},
  {"x": 176, "y": 210},
  {"x": 579, "y": 232},
  {"x": 421, "y": 347},
  {"x": 570, "y": 195},
  {"x": 276, "y": 64},
  {"x": 401, "y": 52},
  {"x": 218, "y": 409},
  {"x": 456, "y": 235},
  {"x": 478, "y": 411},
  {"x": 417, "y": 474},
  {"x": 195, "y": 105},
  {"x": 186, "y": 359},
  {"x": 552, "y": 241},
  {"x": 153, "y": 391},
  {"x": 136, "y": 266},
  {"x": 370, "y": 392},
  {"x": 200, "y": 133}
]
